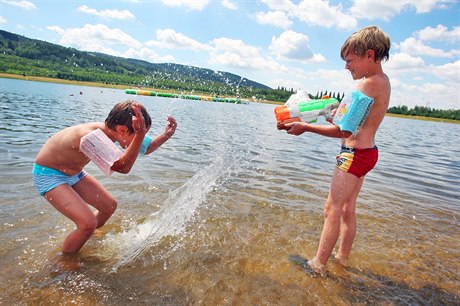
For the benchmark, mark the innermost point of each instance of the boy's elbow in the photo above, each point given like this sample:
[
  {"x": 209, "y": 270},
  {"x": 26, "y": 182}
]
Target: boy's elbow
[
  {"x": 125, "y": 169},
  {"x": 346, "y": 134}
]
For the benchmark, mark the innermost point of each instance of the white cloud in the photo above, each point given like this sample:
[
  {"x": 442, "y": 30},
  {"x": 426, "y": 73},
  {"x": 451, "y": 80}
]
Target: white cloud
[
  {"x": 100, "y": 38},
  {"x": 292, "y": 45},
  {"x": 107, "y": 14},
  {"x": 148, "y": 55},
  {"x": 331, "y": 80},
  {"x": 286, "y": 83},
  {"x": 404, "y": 62},
  {"x": 321, "y": 13},
  {"x": 170, "y": 39},
  {"x": 372, "y": 10},
  {"x": 414, "y": 82},
  {"x": 314, "y": 12},
  {"x": 236, "y": 54},
  {"x": 27, "y": 5},
  {"x": 280, "y": 5},
  {"x": 449, "y": 72},
  {"x": 415, "y": 47},
  {"x": 435, "y": 95},
  {"x": 56, "y": 29},
  {"x": 385, "y": 10},
  {"x": 190, "y": 4},
  {"x": 96, "y": 38},
  {"x": 230, "y": 5},
  {"x": 426, "y": 6},
  {"x": 2, "y": 20},
  {"x": 440, "y": 33},
  {"x": 275, "y": 18}
]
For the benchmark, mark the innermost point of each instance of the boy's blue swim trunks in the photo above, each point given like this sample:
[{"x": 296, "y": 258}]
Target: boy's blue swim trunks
[{"x": 46, "y": 178}]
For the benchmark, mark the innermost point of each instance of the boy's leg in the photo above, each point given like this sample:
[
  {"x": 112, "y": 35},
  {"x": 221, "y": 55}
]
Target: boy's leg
[
  {"x": 71, "y": 205},
  {"x": 343, "y": 186},
  {"x": 348, "y": 227},
  {"x": 93, "y": 193}
]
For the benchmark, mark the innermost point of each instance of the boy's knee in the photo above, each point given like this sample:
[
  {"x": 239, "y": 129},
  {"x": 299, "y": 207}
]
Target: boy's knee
[
  {"x": 111, "y": 207},
  {"x": 88, "y": 226},
  {"x": 108, "y": 207},
  {"x": 331, "y": 210},
  {"x": 348, "y": 213}
]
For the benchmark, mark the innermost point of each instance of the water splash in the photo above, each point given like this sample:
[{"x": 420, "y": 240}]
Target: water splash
[{"x": 178, "y": 209}]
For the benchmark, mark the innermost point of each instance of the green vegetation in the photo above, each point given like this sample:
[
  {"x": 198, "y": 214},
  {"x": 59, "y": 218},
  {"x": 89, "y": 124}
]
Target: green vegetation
[
  {"x": 30, "y": 57},
  {"x": 423, "y": 111}
]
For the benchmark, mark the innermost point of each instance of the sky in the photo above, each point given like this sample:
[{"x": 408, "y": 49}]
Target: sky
[{"x": 279, "y": 43}]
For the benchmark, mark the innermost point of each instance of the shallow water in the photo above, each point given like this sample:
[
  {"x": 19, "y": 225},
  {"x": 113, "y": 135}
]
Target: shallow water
[{"x": 212, "y": 216}]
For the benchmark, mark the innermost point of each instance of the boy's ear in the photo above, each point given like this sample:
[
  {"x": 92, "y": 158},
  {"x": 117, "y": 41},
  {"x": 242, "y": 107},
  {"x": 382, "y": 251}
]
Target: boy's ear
[
  {"x": 122, "y": 129},
  {"x": 370, "y": 54}
]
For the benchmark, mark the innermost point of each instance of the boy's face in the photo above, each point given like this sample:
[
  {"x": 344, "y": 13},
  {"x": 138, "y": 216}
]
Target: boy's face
[
  {"x": 124, "y": 138},
  {"x": 356, "y": 65}
]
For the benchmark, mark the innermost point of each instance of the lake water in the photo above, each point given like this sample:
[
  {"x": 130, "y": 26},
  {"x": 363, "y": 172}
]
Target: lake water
[{"x": 212, "y": 216}]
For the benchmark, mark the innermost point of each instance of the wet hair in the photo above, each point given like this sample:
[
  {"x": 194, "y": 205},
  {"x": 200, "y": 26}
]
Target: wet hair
[
  {"x": 368, "y": 38},
  {"x": 122, "y": 113}
]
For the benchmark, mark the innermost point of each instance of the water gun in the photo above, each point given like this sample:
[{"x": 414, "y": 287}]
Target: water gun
[{"x": 307, "y": 111}]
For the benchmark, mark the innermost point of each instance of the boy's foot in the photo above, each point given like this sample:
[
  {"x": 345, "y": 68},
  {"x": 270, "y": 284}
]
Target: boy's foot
[
  {"x": 310, "y": 266},
  {"x": 340, "y": 260}
]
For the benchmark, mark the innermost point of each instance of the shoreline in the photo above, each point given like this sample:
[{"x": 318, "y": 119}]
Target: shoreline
[{"x": 103, "y": 85}]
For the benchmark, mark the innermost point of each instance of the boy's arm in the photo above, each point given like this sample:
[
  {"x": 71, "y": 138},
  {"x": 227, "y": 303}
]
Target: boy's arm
[
  {"x": 161, "y": 139},
  {"x": 298, "y": 128},
  {"x": 126, "y": 161}
]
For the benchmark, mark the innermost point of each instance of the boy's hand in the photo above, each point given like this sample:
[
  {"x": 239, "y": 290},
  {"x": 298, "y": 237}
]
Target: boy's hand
[
  {"x": 171, "y": 127},
  {"x": 295, "y": 128},
  {"x": 281, "y": 126},
  {"x": 138, "y": 121}
]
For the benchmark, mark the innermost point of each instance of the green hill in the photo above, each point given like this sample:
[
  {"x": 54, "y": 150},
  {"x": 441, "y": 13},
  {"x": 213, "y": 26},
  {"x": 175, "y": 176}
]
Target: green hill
[{"x": 24, "y": 56}]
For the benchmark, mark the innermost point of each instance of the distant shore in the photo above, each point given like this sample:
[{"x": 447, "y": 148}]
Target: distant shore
[
  {"x": 423, "y": 118},
  {"x": 104, "y": 85}
]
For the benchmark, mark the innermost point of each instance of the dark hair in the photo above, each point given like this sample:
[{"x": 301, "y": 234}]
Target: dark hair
[
  {"x": 368, "y": 38},
  {"x": 122, "y": 113}
]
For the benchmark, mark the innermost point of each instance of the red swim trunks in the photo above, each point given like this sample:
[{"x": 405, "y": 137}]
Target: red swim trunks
[{"x": 357, "y": 161}]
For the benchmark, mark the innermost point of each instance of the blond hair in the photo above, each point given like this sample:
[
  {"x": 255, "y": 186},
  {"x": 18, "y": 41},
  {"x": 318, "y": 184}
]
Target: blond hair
[{"x": 368, "y": 38}]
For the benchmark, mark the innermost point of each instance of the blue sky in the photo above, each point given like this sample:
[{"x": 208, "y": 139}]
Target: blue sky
[{"x": 294, "y": 44}]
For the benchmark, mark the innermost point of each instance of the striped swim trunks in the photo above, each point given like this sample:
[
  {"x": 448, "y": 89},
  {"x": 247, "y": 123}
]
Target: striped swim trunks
[
  {"x": 357, "y": 161},
  {"x": 46, "y": 178}
]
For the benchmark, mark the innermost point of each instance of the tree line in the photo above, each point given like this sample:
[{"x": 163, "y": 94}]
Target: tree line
[{"x": 424, "y": 111}]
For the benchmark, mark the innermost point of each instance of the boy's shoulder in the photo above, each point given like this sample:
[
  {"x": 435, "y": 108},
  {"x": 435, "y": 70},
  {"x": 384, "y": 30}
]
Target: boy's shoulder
[
  {"x": 80, "y": 130},
  {"x": 375, "y": 86}
]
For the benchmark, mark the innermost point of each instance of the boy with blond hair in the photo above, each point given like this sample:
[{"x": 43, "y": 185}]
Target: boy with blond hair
[{"x": 356, "y": 122}]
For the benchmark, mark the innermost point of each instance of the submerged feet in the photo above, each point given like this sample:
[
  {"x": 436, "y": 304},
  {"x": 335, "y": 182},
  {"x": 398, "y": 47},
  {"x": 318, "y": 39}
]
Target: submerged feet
[
  {"x": 312, "y": 267},
  {"x": 317, "y": 267},
  {"x": 339, "y": 259}
]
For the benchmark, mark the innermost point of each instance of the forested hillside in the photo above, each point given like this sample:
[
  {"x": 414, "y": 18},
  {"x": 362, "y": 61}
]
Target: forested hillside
[{"x": 25, "y": 56}]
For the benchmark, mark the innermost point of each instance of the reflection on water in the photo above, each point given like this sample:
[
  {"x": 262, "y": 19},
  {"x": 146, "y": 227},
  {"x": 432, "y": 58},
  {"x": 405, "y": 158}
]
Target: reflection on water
[{"x": 213, "y": 215}]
